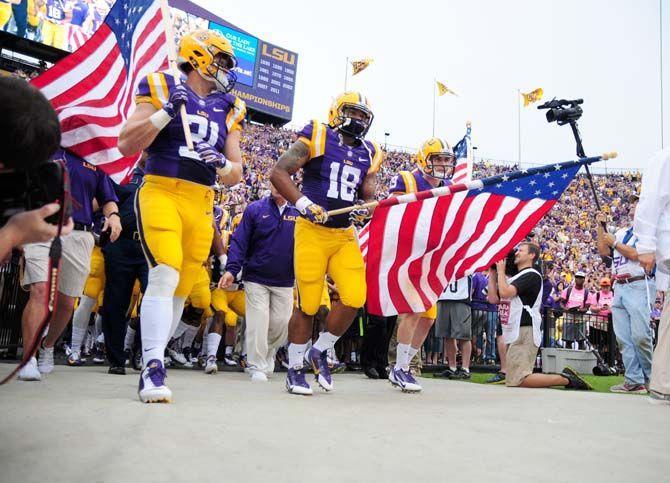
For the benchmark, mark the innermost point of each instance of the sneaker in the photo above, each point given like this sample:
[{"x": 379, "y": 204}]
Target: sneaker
[
  {"x": 99, "y": 353},
  {"x": 497, "y": 378},
  {"x": 74, "y": 359},
  {"x": 448, "y": 373},
  {"x": 576, "y": 382},
  {"x": 319, "y": 362},
  {"x": 30, "y": 371},
  {"x": 296, "y": 383},
  {"x": 460, "y": 374},
  {"x": 45, "y": 364},
  {"x": 258, "y": 376},
  {"x": 229, "y": 361},
  {"x": 404, "y": 380},
  {"x": 152, "y": 383},
  {"x": 211, "y": 367},
  {"x": 629, "y": 388},
  {"x": 658, "y": 398},
  {"x": 176, "y": 356}
]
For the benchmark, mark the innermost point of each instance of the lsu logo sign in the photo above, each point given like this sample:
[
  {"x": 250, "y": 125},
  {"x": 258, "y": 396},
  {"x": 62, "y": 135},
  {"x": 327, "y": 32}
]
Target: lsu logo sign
[{"x": 278, "y": 54}]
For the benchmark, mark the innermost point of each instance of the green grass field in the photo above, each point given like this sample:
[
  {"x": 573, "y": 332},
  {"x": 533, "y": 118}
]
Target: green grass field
[{"x": 599, "y": 383}]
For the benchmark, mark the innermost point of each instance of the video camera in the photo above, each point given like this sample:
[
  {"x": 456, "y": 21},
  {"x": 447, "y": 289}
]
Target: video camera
[
  {"x": 563, "y": 111},
  {"x": 22, "y": 190}
]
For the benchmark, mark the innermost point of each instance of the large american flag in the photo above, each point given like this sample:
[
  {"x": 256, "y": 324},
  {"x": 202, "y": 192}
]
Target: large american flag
[
  {"x": 417, "y": 244},
  {"x": 92, "y": 88},
  {"x": 464, "y": 159}
]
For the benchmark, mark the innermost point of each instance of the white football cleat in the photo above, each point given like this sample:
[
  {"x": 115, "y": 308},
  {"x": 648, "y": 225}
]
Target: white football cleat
[
  {"x": 30, "y": 371},
  {"x": 258, "y": 376},
  {"x": 177, "y": 356},
  {"x": 211, "y": 367},
  {"x": 152, "y": 387}
]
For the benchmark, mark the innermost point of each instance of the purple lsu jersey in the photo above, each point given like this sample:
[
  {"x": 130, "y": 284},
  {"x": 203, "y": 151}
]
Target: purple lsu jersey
[
  {"x": 411, "y": 182},
  {"x": 55, "y": 10},
  {"x": 334, "y": 173},
  {"x": 210, "y": 119}
]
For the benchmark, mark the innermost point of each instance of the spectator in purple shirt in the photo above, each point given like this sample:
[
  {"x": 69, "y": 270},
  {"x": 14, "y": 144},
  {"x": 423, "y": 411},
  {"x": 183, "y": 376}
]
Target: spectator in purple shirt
[
  {"x": 90, "y": 187},
  {"x": 262, "y": 249}
]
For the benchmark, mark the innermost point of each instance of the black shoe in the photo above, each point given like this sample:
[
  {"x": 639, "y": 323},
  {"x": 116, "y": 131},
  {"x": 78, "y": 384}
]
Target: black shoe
[
  {"x": 118, "y": 370},
  {"x": 382, "y": 373},
  {"x": 371, "y": 372},
  {"x": 448, "y": 374},
  {"x": 136, "y": 360},
  {"x": 575, "y": 380},
  {"x": 497, "y": 378},
  {"x": 462, "y": 374}
]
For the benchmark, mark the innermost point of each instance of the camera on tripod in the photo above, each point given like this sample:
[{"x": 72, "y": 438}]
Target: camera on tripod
[{"x": 563, "y": 111}]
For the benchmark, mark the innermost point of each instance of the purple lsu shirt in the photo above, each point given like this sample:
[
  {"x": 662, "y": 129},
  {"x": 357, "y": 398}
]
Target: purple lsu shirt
[
  {"x": 86, "y": 183},
  {"x": 333, "y": 179},
  {"x": 210, "y": 118}
]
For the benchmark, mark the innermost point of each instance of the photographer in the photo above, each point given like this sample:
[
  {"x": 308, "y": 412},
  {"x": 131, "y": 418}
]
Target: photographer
[
  {"x": 29, "y": 135},
  {"x": 89, "y": 185},
  {"x": 522, "y": 332}
]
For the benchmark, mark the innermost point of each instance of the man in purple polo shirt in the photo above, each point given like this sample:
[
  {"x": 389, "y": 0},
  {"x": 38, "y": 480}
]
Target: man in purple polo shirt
[
  {"x": 88, "y": 185},
  {"x": 262, "y": 248}
]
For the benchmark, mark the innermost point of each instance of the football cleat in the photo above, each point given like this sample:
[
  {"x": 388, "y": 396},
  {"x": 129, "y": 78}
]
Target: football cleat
[
  {"x": 99, "y": 353},
  {"x": 210, "y": 366},
  {"x": 229, "y": 361},
  {"x": 296, "y": 382},
  {"x": 404, "y": 380},
  {"x": 74, "y": 359},
  {"x": 152, "y": 388},
  {"x": 176, "y": 356},
  {"x": 319, "y": 362}
]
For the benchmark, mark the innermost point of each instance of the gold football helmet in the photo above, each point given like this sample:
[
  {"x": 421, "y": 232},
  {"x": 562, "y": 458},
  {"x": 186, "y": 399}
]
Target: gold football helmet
[
  {"x": 340, "y": 114},
  {"x": 211, "y": 55},
  {"x": 436, "y": 150}
]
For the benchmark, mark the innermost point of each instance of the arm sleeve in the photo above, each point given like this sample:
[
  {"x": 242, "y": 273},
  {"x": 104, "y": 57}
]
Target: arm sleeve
[
  {"x": 397, "y": 185},
  {"x": 239, "y": 243},
  {"x": 654, "y": 198},
  {"x": 313, "y": 135},
  {"x": 104, "y": 192},
  {"x": 154, "y": 89}
]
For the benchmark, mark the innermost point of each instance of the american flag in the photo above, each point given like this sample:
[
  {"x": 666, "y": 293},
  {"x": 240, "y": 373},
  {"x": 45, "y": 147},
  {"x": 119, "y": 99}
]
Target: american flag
[
  {"x": 92, "y": 88},
  {"x": 76, "y": 37},
  {"x": 417, "y": 244},
  {"x": 464, "y": 159}
]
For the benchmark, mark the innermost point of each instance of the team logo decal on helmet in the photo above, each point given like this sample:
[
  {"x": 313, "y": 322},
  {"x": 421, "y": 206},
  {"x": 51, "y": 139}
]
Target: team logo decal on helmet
[
  {"x": 340, "y": 115},
  {"x": 436, "y": 158},
  {"x": 211, "y": 55}
]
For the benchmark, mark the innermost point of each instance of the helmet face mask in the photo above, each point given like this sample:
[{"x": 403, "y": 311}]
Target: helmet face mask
[{"x": 440, "y": 165}]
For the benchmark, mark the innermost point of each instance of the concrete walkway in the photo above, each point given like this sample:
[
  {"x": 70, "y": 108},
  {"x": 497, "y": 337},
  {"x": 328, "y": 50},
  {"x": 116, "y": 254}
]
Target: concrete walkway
[{"x": 81, "y": 424}]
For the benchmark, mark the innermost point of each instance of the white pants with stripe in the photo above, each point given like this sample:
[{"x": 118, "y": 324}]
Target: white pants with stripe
[{"x": 268, "y": 310}]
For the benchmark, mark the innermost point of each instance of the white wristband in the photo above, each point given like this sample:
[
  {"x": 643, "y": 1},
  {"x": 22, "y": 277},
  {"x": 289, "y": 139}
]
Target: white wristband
[
  {"x": 160, "y": 119},
  {"x": 227, "y": 168},
  {"x": 223, "y": 259},
  {"x": 302, "y": 204}
]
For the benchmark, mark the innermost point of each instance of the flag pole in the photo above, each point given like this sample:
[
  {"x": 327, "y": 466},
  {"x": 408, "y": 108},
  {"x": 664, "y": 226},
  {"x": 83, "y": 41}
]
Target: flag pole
[
  {"x": 434, "y": 87},
  {"x": 476, "y": 184},
  {"x": 346, "y": 74},
  {"x": 518, "y": 108},
  {"x": 172, "y": 59}
]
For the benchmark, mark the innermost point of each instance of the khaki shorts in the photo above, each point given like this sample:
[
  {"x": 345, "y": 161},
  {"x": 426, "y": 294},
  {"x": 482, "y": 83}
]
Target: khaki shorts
[
  {"x": 74, "y": 266},
  {"x": 521, "y": 356}
]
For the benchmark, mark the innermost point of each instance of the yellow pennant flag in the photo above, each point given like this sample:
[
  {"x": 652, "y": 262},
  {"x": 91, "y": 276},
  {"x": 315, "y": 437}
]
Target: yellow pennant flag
[
  {"x": 532, "y": 96},
  {"x": 360, "y": 65},
  {"x": 442, "y": 89}
]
